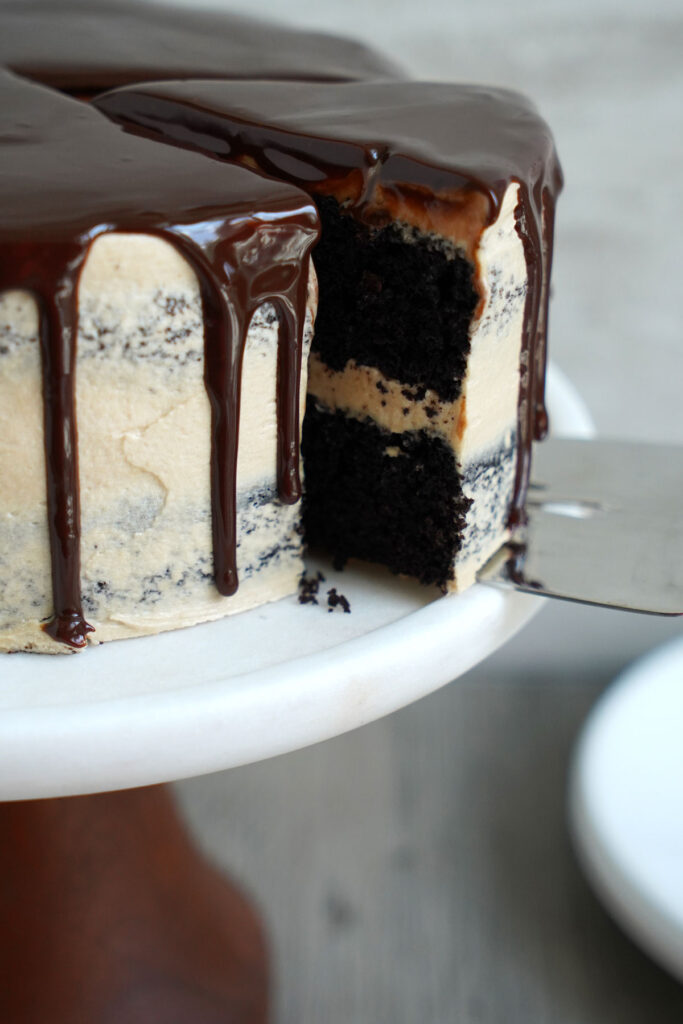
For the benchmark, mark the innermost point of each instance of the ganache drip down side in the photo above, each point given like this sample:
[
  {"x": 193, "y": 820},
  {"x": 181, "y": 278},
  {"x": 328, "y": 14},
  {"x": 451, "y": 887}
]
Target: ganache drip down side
[
  {"x": 248, "y": 242},
  {"x": 228, "y": 307}
]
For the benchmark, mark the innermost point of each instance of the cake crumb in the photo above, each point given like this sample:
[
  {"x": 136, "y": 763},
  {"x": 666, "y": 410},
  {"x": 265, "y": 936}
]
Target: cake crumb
[
  {"x": 309, "y": 587},
  {"x": 335, "y": 600}
]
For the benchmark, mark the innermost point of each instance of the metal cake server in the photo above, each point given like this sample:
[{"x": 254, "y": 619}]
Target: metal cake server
[{"x": 605, "y": 527}]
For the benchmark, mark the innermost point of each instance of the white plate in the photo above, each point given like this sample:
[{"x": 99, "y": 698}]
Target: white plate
[
  {"x": 250, "y": 686},
  {"x": 626, "y": 802}
]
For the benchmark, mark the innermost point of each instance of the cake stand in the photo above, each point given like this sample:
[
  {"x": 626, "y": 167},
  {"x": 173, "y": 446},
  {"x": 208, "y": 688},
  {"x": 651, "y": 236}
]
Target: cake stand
[{"x": 106, "y": 912}]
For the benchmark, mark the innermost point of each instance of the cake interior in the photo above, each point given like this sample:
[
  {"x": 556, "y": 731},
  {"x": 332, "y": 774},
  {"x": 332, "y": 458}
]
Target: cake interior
[
  {"x": 401, "y": 303},
  {"x": 394, "y": 299},
  {"x": 433, "y": 269}
]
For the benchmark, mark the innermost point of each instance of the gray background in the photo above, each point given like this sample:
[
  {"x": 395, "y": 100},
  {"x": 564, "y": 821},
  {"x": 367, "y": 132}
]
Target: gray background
[{"x": 419, "y": 869}]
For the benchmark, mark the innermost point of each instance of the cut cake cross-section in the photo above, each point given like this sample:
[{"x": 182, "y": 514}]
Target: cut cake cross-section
[{"x": 428, "y": 363}]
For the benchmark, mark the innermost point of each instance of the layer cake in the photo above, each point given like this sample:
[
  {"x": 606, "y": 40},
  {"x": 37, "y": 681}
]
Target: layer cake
[{"x": 157, "y": 304}]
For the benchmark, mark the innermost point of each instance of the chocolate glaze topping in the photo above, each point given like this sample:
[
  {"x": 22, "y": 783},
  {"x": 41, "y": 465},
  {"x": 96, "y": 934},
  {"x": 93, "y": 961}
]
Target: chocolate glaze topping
[
  {"x": 85, "y": 47},
  {"x": 440, "y": 156},
  {"x": 70, "y": 175}
]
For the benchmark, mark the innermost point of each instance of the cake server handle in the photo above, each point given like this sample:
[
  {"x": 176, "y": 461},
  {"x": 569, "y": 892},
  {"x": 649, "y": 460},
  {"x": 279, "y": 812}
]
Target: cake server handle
[{"x": 605, "y": 527}]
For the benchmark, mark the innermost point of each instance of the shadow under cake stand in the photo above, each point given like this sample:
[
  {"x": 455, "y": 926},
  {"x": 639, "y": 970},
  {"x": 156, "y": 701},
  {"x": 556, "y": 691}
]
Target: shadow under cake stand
[{"x": 107, "y": 913}]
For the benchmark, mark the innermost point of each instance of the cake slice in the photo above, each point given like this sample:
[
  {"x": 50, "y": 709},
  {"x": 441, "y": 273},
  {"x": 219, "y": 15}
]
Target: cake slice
[
  {"x": 156, "y": 307},
  {"x": 428, "y": 362}
]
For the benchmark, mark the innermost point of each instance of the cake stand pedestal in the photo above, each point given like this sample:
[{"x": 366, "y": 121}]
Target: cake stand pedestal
[{"x": 107, "y": 915}]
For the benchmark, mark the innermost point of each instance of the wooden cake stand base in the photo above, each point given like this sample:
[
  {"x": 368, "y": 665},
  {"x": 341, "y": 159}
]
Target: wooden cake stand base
[{"x": 108, "y": 915}]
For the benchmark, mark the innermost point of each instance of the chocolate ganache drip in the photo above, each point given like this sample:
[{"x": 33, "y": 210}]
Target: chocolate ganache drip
[
  {"x": 232, "y": 290},
  {"x": 438, "y": 157},
  {"x": 69, "y": 176},
  {"x": 51, "y": 273}
]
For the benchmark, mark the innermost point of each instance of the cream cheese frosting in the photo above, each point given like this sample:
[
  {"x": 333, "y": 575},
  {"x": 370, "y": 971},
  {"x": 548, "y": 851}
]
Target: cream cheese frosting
[{"x": 144, "y": 448}]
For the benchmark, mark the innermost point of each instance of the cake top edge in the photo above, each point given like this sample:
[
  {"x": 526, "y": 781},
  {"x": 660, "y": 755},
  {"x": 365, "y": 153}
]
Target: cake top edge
[
  {"x": 438, "y": 137},
  {"x": 78, "y": 45},
  {"x": 67, "y": 170}
]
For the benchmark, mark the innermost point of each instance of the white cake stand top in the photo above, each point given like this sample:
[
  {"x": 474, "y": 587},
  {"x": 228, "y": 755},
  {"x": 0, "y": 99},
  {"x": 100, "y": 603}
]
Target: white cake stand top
[{"x": 150, "y": 710}]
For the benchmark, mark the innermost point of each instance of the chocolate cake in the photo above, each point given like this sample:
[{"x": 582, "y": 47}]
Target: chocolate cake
[{"x": 434, "y": 207}]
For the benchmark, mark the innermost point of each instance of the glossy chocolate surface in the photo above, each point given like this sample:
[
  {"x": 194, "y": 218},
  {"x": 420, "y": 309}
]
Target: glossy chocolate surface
[
  {"x": 85, "y": 46},
  {"x": 422, "y": 147},
  {"x": 69, "y": 175}
]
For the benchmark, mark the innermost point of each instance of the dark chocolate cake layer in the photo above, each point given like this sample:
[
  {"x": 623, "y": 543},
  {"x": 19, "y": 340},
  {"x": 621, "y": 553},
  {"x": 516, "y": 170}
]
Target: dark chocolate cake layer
[
  {"x": 382, "y": 497},
  {"x": 402, "y": 306}
]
